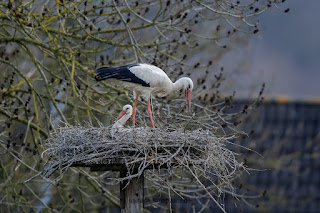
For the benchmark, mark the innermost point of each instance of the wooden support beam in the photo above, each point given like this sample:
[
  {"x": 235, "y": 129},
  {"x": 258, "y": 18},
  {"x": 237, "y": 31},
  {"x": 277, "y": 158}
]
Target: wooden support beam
[
  {"x": 132, "y": 194},
  {"x": 122, "y": 189}
]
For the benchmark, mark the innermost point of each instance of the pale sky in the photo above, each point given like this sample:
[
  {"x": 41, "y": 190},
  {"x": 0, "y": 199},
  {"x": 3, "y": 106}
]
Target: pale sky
[{"x": 286, "y": 52}]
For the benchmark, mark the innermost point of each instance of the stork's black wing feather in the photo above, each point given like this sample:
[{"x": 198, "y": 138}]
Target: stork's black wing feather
[{"x": 121, "y": 73}]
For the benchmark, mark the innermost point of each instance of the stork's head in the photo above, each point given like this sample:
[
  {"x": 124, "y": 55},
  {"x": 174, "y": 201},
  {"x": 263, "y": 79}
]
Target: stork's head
[
  {"x": 188, "y": 87},
  {"x": 126, "y": 110}
]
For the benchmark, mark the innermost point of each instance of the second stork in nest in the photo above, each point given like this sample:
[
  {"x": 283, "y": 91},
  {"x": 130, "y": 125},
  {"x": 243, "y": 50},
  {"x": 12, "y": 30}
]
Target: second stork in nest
[{"x": 122, "y": 119}]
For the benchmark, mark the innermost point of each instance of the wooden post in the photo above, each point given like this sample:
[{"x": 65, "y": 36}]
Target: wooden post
[
  {"x": 122, "y": 189},
  {"x": 131, "y": 195}
]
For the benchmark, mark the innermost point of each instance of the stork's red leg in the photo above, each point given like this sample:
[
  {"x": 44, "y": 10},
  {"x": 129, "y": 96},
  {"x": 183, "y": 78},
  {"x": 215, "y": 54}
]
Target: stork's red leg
[
  {"x": 134, "y": 111},
  {"x": 149, "y": 112}
]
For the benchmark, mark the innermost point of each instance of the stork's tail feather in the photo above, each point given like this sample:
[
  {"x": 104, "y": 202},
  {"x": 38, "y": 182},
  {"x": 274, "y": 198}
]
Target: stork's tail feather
[
  {"x": 105, "y": 72},
  {"x": 98, "y": 78},
  {"x": 121, "y": 72}
]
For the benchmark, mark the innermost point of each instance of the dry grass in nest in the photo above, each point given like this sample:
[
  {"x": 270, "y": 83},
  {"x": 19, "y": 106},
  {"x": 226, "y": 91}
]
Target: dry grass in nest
[{"x": 199, "y": 152}]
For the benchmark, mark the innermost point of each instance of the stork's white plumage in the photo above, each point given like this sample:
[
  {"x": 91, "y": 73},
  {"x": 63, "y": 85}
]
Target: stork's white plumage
[
  {"x": 122, "y": 118},
  {"x": 145, "y": 80}
]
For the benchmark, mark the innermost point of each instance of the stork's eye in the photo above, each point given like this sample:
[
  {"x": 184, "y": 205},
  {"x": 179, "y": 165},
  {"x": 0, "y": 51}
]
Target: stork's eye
[{"x": 189, "y": 86}]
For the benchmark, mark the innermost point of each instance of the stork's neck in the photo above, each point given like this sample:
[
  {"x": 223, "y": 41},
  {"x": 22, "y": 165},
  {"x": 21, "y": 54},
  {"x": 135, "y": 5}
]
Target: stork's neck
[
  {"x": 179, "y": 84},
  {"x": 122, "y": 121}
]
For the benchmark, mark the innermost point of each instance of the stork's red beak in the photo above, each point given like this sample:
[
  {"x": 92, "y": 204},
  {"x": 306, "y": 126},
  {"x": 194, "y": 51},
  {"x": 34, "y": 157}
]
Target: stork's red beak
[
  {"x": 121, "y": 114},
  {"x": 188, "y": 94}
]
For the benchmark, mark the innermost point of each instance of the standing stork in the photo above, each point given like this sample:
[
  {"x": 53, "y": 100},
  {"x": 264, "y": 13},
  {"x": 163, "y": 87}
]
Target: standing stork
[{"x": 145, "y": 80}]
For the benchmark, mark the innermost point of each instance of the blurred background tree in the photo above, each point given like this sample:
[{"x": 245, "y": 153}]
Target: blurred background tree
[{"x": 48, "y": 53}]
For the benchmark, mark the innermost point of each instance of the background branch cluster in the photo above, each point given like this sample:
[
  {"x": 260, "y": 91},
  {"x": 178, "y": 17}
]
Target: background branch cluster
[{"x": 48, "y": 51}]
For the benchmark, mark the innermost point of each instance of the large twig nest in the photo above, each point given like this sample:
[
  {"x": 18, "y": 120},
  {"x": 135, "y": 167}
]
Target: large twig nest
[{"x": 203, "y": 154}]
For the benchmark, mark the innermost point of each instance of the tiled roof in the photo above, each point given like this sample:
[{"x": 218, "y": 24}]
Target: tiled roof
[{"x": 287, "y": 134}]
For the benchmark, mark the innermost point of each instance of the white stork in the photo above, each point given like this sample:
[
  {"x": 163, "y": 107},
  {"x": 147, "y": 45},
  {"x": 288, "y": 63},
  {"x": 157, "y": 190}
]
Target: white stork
[
  {"x": 145, "y": 79},
  {"x": 122, "y": 118}
]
